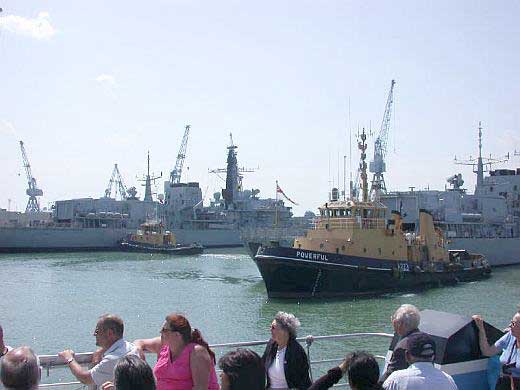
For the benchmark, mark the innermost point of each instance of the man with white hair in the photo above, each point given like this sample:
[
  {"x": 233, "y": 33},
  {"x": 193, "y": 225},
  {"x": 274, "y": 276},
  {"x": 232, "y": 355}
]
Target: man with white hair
[
  {"x": 20, "y": 369},
  {"x": 405, "y": 322},
  {"x": 421, "y": 374}
]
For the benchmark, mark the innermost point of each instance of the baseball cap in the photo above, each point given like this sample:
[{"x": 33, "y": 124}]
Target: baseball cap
[{"x": 421, "y": 345}]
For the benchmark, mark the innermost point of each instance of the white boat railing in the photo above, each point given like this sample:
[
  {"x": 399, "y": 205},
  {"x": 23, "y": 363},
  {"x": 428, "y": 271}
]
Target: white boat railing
[{"x": 49, "y": 362}]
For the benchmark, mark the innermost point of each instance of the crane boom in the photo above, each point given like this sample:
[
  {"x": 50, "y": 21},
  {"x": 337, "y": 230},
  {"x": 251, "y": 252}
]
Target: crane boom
[
  {"x": 378, "y": 166},
  {"x": 385, "y": 124},
  {"x": 175, "y": 175},
  {"x": 33, "y": 205},
  {"x": 120, "y": 185}
]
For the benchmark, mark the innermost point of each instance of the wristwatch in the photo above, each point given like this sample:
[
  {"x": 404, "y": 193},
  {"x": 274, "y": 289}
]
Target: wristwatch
[{"x": 70, "y": 360}]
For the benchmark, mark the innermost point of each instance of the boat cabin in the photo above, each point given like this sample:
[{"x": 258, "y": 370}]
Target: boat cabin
[
  {"x": 153, "y": 233},
  {"x": 352, "y": 214}
]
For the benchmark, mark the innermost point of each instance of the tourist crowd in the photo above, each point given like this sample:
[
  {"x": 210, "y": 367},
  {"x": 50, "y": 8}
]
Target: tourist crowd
[{"x": 185, "y": 360}]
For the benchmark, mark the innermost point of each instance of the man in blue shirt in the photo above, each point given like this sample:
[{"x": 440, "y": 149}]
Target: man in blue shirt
[{"x": 508, "y": 345}]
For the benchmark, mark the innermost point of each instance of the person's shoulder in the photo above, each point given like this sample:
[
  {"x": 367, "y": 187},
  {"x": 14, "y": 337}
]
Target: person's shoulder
[
  {"x": 504, "y": 341},
  {"x": 392, "y": 379},
  {"x": 448, "y": 377},
  {"x": 199, "y": 352}
]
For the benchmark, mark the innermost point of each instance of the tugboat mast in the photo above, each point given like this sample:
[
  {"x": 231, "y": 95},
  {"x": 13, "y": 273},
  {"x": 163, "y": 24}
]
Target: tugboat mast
[{"x": 363, "y": 166}]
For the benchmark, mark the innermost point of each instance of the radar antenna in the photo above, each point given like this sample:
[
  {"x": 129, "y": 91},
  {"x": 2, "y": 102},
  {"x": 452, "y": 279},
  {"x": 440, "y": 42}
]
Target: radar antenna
[
  {"x": 33, "y": 205},
  {"x": 233, "y": 174},
  {"x": 377, "y": 165},
  {"x": 481, "y": 164},
  {"x": 148, "y": 182}
]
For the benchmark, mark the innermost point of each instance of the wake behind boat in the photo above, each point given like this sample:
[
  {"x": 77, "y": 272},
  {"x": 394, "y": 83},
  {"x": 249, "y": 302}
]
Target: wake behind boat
[
  {"x": 354, "y": 250},
  {"x": 152, "y": 238}
]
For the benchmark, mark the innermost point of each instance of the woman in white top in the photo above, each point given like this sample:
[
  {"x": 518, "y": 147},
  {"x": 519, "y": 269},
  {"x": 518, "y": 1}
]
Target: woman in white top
[{"x": 285, "y": 360}]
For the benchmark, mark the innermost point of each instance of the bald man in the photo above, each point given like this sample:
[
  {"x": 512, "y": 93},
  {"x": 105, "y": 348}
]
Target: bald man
[{"x": 20, "y": 369}]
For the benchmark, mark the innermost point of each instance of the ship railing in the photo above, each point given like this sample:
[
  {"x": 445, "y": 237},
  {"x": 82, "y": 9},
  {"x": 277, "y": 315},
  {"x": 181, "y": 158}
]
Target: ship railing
[
  {"x": 349, "y": 223},
  {"x": 51, "y": 362}
]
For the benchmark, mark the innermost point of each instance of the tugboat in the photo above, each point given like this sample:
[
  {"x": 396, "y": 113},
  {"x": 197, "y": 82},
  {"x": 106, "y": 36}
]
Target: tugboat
[
  {"x": 152, "y": 238},
  {"x": 354, "y": 250}
]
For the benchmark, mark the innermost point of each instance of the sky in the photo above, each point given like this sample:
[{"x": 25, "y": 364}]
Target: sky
[{"x": 89, "y": 84}]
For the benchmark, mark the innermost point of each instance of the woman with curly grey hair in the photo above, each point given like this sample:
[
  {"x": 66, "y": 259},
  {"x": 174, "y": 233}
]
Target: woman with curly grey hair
[{"x": 285, "y": 360}]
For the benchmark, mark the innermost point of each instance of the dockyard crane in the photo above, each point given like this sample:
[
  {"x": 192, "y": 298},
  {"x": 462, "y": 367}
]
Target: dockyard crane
[
  {"x": 175, "y": 175},
  {"x": 120, "y": 187},
  {"x": 33, "y": 206},
  {"x": 378, "y": 166}
]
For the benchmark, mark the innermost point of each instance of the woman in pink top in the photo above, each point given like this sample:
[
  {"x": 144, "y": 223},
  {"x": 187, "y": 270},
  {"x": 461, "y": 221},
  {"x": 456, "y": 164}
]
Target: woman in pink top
[{"x": 184, "y": 359}]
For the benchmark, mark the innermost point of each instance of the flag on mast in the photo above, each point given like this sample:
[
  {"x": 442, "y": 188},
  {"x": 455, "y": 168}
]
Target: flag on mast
[{"x": 280, "y": 191}]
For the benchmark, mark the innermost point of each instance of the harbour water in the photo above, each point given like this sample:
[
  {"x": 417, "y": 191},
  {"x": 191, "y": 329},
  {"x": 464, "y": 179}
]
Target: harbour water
[{"x": 51, "y": 301}]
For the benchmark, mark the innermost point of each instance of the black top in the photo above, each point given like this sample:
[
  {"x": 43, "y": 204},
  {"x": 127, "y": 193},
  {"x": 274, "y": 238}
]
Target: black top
[
  {"x": 398, "y": 359},
  {"x": 296, "y": 364}
]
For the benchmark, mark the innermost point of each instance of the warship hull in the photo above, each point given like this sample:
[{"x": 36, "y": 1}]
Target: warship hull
[
  {"x": 39, "y": 239},
  {"x": 296, "y": 273},
  {"x": 51, "y": 239}
]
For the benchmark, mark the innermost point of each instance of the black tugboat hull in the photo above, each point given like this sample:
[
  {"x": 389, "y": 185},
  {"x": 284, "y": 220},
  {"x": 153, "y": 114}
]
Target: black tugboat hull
[
  {"x": 294, "y": 273},
  {"x": 170, "y": 250}
]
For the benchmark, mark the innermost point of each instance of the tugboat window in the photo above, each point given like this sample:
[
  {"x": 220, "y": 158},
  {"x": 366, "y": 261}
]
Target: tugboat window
[{"x": 365, "y": 250}]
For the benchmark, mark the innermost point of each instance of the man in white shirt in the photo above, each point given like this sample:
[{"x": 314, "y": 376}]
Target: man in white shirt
[
  {"x": 421, "y": 374},
  {"x": 109, "y": 336}
]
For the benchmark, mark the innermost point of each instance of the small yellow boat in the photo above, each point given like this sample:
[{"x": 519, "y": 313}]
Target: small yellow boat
[{"x": 153, "y": 238}]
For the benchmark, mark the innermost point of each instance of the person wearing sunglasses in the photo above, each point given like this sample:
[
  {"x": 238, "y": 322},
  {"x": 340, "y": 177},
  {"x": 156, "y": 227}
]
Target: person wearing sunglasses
[
  {"x": 184, "y": 359},
  {"x": 508, "y": 346},
  {"x": 284, "y": 358},
  {"x": 109, "y": 337}
]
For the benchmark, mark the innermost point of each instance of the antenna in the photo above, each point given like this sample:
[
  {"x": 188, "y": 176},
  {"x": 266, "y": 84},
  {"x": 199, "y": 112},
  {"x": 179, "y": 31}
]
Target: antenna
[
  {"x": 481, "y": 164},
  {"x": 148, "y": 182}
]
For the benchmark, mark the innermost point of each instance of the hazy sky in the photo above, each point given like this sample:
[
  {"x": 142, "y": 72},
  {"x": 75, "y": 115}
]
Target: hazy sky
[{"x": 89, "y": 84}]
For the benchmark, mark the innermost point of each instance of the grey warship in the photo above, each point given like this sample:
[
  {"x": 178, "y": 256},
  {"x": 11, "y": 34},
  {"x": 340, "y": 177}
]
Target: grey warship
[{"x": 101, "y": 223}]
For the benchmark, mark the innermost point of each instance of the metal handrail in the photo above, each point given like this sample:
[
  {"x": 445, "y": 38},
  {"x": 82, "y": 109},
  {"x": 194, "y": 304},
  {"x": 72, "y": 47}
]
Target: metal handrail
[
  {"x": 349, "y": 223},
  {"x": 85, "y": 358}
]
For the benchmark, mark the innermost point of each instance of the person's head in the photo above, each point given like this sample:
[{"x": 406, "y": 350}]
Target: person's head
[
  {"x": 362, "y": 370},
  {"x": 109, "y": 329},
  {"x": 284, "y": 327},
  {"x": 176, "y": 332},
  {"x": 420, "y": 348},
  {"x": 20, "y": 369},
  {"x": 515, "y": 324},
  {"x": 405, "y": 319},
  {"x": 242, "y": 369},
  {"x": 132, "y": 373}
]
